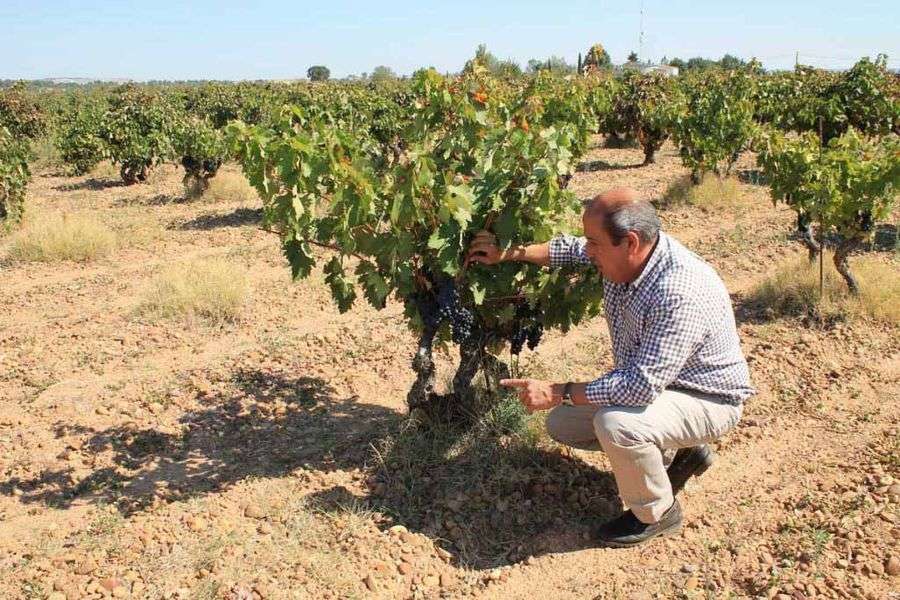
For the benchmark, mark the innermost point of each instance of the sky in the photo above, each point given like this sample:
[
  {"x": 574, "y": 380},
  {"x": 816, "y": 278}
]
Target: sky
[{"x": 279, "y": 39}]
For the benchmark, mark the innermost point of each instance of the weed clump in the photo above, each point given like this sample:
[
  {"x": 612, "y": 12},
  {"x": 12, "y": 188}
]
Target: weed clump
[
  {"x": 230, "y": 187},
  {"x": 55, "y": 238},
  {"x": 710, "y": 195},
  {"x": 793, "y": 290},
  {"x": 215, "y": 290}
]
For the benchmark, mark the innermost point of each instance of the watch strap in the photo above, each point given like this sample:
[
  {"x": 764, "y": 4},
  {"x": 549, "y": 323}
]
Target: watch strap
[{"x": 567, "y": 394}]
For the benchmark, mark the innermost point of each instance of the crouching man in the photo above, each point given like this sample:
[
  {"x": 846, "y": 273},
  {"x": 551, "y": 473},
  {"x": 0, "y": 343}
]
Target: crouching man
[{"x": 679, "y": 380}]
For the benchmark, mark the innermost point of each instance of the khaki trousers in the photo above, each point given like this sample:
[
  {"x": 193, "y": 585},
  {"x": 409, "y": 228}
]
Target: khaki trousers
[{"x": 634, "y": 439}]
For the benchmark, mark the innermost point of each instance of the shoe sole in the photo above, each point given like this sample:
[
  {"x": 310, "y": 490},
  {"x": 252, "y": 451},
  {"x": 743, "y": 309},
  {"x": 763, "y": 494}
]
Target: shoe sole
[{"x": 660, "y": 535}]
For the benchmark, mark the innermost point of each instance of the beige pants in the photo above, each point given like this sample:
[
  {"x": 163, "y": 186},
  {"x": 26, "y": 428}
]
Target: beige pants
[{"x": 634, "y": 440}]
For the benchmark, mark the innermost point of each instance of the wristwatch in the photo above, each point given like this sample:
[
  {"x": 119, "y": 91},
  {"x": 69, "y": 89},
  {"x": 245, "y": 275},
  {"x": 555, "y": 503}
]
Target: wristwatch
[{"x": 567, "y": 394}]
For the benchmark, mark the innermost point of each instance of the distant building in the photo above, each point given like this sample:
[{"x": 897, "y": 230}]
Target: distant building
[{"x": 667, "y": 70}]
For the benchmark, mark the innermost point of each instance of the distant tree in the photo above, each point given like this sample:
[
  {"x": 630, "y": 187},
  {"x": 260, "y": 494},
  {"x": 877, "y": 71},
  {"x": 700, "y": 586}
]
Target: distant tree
[
  {"x": 383, "y": 73},
  {"x": 483, "y": 58},
  {"x": 534, "y": 65},
  {"x": 633, "y": 57},
  {"x": 508, "y": 67},
  {"x": 700, "y": 64},
  {"x": 678, "y": 63},
  {"x": 487, "y": 60},
  {"x": 731, "y": 62},
  {"x": 318, "y": 73},
  {"x": 597, "y": 58},
  {"x": 558, "y": 64}
]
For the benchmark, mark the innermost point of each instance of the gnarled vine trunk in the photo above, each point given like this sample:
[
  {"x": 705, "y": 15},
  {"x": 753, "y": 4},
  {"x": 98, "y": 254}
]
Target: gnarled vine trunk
[
  {"x": 841, "y": 256},
  {"x": 461, "y": 405},
  {"x": 805, "y": 231}
]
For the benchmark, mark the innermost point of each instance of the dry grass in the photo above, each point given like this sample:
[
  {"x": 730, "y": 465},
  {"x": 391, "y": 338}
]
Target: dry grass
[
  {"x": 105, "y": 170},
  {"x": 212, "y": 289},
  {"x": 54, "y": 238},
  {"x": 793, "y": 289},
  {"x": 139, "y": 227},
  {"x": 712, "y": 194},
  {"x": 232, "y": 187}
]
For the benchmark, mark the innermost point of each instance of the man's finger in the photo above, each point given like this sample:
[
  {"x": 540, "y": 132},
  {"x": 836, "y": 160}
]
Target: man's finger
[{"x": 515, "y": 383}]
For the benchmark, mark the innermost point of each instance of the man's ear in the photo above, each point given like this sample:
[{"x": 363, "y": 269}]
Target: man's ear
[{"x": 634, "y": 242}]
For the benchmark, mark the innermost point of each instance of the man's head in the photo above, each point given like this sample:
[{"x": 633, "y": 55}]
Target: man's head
[{"x": 621, "y": 231}]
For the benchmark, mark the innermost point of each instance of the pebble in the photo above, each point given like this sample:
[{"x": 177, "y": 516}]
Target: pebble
[
  {"x": 253, "y": 511},
  {"x": 408, "y": 537},
  {"x": 688, "y": 568},
  {"x": 892, "y": 566},
  {"x": 111, "y": 583},
  {"x": 405, "y": 568},
  {"x": 370, "y": 583},
  {"x": 692, "y": 582},
  {"x": 446, "y": 580},
  {"x": 265, "y": 528}
]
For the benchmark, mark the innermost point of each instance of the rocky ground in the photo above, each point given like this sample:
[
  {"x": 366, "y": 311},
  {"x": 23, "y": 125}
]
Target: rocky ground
[{"x": 271, "y": 457}]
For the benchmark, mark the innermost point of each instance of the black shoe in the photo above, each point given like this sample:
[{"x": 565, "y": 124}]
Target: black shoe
[
  {"x": 689, "y": 462},
  {"x": 627, "y": 530}
]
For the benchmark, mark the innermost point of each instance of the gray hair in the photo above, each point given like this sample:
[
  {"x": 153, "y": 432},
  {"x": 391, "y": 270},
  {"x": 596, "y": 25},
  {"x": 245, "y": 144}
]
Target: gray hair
[{"x": 638, "y": 216}]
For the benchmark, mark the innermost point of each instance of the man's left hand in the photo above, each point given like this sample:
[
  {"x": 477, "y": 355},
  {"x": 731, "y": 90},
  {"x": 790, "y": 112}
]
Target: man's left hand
[{"x": 533, "y": 393}]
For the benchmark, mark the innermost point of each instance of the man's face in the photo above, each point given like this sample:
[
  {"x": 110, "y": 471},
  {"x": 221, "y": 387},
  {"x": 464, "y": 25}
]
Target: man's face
[{"x": 613, "y": 262}]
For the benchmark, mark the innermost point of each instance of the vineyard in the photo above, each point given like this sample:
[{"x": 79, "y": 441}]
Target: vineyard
[{"x": 352, "y": 415}]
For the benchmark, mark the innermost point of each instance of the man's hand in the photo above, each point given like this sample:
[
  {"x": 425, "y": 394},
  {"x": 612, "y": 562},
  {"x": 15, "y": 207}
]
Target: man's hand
[
  {"x": 484, "y": 249},
  {"x": 533, "y": 393}
]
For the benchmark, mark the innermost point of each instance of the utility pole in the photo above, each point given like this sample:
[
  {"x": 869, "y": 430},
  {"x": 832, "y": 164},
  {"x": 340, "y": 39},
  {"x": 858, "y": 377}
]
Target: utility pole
[
  {"x": 641, "y": 36},
  {"x": 796, "y": 59}
]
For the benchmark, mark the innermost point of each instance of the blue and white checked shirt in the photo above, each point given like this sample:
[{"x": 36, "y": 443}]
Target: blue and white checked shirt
[{"x": 672, "y": 327}]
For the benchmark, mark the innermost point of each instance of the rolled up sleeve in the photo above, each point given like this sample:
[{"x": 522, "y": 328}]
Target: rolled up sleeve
[{"x": 568, "y": 250}]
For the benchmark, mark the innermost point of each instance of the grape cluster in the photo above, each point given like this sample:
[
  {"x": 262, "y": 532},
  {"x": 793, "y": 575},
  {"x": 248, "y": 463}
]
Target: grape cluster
[
  {"x": 445, "y": 305},
  {"x": 461, "y": 319},
  {"x": 527, "y": 327}
]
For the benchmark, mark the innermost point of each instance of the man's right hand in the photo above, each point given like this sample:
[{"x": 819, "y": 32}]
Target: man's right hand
[{"x": 484, "y": 249}]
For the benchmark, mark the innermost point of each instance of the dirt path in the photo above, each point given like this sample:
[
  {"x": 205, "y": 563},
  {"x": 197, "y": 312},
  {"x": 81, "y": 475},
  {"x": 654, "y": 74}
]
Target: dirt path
[{"x": 269, "y": 458}]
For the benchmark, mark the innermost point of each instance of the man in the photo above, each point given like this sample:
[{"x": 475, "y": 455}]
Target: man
[{"x": 679, "y": 380}]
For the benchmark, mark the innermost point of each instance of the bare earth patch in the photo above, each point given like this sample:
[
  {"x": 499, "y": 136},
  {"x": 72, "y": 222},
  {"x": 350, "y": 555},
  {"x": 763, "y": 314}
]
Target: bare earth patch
[{"x": 270, "y": 456}]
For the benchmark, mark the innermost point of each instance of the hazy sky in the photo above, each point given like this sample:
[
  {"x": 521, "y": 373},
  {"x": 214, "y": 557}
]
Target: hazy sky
[{"x": 226, "y": 39}]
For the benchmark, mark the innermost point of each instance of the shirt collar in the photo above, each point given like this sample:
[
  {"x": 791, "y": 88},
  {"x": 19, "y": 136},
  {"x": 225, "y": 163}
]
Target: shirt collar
[{"x": 656, "y": 257}]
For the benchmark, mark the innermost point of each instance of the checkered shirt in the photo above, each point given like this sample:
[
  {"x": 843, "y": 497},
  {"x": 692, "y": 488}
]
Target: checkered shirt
[{"x": 672, "y": 327}]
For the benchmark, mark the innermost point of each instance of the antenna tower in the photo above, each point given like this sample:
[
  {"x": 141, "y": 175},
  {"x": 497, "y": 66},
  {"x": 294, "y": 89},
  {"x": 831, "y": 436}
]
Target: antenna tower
[{"x": 641, "y": 36}]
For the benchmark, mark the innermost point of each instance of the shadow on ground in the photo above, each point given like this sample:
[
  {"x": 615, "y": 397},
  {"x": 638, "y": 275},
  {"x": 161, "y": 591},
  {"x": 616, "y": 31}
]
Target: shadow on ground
[
  {"x": 752, "y": 177},
  {"x": 602, "y": 165},
  {"x": 265, "y": 426},
  {"x": 490, "y": 498},
  {"x": 90, "y": 184},
  {"x": 240, "y": 217},
  {"x": 885, "y": 239}
]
